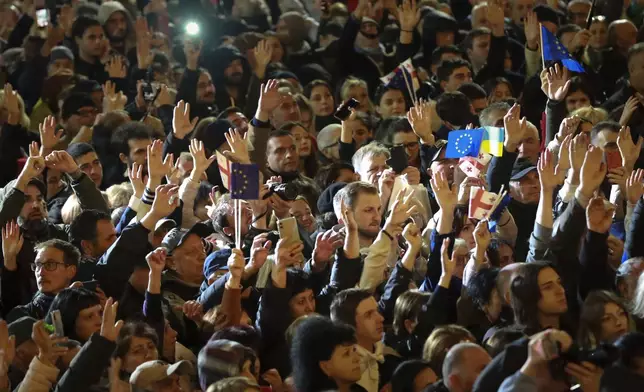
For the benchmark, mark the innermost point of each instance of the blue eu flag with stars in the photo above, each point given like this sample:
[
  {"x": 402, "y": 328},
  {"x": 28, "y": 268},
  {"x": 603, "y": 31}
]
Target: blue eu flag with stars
[
  {"x": 244, "y": 181},
  {"x": 465, "y": 143},
  {"x": 553, "y": 50}
]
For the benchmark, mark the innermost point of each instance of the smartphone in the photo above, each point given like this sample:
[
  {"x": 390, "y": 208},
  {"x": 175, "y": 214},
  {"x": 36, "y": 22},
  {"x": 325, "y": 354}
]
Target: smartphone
[
  {"x": 90, "y": 285},
  {"x": 288, "y": 231},
  {"x": 613, "y": 159},
  {"x": 57, "y": 321},
  {"x": 149, "y": 92},
  {"x": 343, "y": 111},
  {"x": 398, "y": 160},
  {"x": 42, "y": 17}
]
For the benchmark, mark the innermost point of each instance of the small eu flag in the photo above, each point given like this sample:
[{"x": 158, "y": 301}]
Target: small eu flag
[
  {"x": 244, "y": 181},
  {"x": 464, "y": 143},
  {"x": 553, "y": 50}
]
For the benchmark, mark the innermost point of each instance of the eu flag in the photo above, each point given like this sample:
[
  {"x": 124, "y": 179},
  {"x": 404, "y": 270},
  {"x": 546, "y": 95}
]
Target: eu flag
[
  {"x": 244, "y": 181},
  {"x": 465, "y": 143},
  {"x": 553, "y": 50}
]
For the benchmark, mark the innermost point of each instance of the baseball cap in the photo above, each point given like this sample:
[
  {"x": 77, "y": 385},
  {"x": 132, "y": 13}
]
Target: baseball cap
[
  {"x": 440, "y": 146},
  {"x": 165, "y": 222},
  {"x": 148, "y": 373},
  {"x": 521, "y": 167},
  {"x": 177, "y": 236}
]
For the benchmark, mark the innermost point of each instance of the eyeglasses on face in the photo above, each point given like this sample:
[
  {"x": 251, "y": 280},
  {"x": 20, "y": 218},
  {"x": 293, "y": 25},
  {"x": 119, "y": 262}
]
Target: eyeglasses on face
[{"x": 48, "y": 266}]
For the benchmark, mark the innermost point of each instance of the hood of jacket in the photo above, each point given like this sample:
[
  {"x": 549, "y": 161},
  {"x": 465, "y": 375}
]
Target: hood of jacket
[
  {"x": 107, "y": 9},
  {"x": 435, "y": 22}
]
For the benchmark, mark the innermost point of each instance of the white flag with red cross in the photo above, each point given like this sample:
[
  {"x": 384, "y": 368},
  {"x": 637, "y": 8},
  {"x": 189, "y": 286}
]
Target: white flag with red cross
[{"x": 482, "y": 203}]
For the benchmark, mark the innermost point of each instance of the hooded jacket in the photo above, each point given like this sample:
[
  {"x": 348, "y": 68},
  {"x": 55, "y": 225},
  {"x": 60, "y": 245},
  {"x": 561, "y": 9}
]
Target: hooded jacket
[
  {"x": 106, "y": 11},
  {"x": 216, "y": 62}
]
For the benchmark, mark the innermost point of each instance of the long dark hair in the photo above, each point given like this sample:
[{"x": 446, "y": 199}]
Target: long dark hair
[
  {"x": 525, "y": 294},
  {"x": 590, "y": 319}
]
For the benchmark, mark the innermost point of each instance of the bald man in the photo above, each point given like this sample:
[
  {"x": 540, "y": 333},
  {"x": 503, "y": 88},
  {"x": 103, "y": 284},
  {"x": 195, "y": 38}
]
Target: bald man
[
  {"x": 622, "y": 34},
  {"x": 463, "y": 364}
]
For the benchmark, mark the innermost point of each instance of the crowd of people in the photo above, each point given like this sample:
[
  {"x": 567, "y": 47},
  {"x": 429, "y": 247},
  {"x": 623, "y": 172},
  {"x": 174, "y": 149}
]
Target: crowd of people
[{"x": 364, "y": 262}]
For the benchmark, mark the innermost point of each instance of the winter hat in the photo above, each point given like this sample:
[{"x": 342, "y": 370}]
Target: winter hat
[
  {"x": 220, "y": 359},
  {"x": 213, "y": 136},
  {"x": 108, "y": 8},
  {"x": 325, "y": 202},
  {"x": 61, "y": 53}
]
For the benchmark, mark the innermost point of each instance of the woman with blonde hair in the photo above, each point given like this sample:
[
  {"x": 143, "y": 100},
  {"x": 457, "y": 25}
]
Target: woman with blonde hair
[
  {"x": 357, "y": 89},
  {"x": 441, "y": 340}
]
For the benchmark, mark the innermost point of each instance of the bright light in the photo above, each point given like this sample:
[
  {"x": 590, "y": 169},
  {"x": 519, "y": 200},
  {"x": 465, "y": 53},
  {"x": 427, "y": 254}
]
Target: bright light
[{"x": 192, "y": 28}]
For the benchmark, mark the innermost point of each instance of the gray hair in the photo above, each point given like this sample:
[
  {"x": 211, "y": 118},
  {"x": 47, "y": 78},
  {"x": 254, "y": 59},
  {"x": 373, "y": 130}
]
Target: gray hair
[{"x": 369, "y": 150}]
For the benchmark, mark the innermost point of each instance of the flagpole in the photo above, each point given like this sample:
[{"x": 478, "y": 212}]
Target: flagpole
[
  {"x": 543, "y": 60},
  {"x": 409, "y": 89}
]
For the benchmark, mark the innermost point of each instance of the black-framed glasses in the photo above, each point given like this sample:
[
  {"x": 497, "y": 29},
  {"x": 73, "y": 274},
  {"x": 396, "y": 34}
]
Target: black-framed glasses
[{"x": 47, "y": 266}]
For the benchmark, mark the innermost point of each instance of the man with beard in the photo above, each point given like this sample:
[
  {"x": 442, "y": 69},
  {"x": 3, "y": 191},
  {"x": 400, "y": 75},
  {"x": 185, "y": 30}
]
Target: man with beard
[
  {"x": 24, "y": 201},
  {"x": 196, "y": 87},
  {"x": 116, "y": 23},
  {"x": 228, "y": 69},
  {"x": 90, "y": 39}
]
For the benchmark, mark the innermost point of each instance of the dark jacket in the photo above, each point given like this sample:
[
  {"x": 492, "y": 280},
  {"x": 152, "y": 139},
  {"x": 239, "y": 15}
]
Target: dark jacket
[
  {"x": 36, "y": 308},
  {"x": 187, "y": 91},
  {"x": 216, "y": 62},
  {"x": 273, "y": 317},
  {"x": 88, "y": 366},
  {"x": 89, "y": 197}
]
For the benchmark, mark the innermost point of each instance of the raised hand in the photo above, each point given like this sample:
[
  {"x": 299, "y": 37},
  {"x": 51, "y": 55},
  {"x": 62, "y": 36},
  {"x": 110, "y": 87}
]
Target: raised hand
[
  {"x": 408, "y": 15},
  {"x": 420, "y": 118},
  {"x": 12, "y": 105},
  {"x": 12, "y": 241},
  {"x": 558, "y": 83},
  {"x": 156, "y": 260},
  {"x": 263, "y": 53},
  {"x": 412, "y": 237},
  {"x": 181, "y": 124},
  {"x": 515, "y": 127},
  {"x": 531, "y": 30},
  {"x": 549, "y": 176},
  {"x": 157, "y": 166},
  {"x": 593, "y": 171},
  {"x": 164, "y": 97},
  {"x": 496, "y": 17},
  {"x": 66, "y": 18},
  {"x": 482, "y": 236},
  {"x": 287, "y": 255},
  {"x": 580, "y": 40},
  {"x": 193, "y": 310},
  {"x": 165, "y": 200},
  {"x": 411, "y": 174},
  {"x": 115, "y": 68},
  {"x": 110, "y": 328},
  {"x": 578, "y": 150},
  {"x": 236, "y": 267},
  {"x": 629, "y": 108},
  {"x": 599, "y": 215},
  {"x": 563, "y": 163},
  {"x": 386, "y": 184},
  {"x": 568, "y": 126},
  {"x": 258, "y": 254},
  {"x": 48, "y": 349},
  {"x": 49, "y": 137},
  {"x": 192, "y": 50},
  {"x": 447, "y": 263},
  {"x": 201, "y": 162},
  {"x": 111, "y": 99},
  {"x": 630, "y": 151},
  {"x": 349, "y": 219},
  {"x": 635, "y": 186},
  {"x": 136, "y": 179},
  {"x": 400, "y": 211},
  {"x": 61, "y": 161},
  {"x": 325, "y": 246},
  {"x": 269, "y": 96},
  {"x": 33, "y": 167},
  {"x": 238, "y": 147},
  {"x": 446, "y": 196},
  {"x": 143, "y": 43}
]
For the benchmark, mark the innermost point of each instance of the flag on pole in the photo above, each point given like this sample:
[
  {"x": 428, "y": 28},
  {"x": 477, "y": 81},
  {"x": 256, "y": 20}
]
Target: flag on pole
[
  {"x": 553, "y": 50},
  {"x": 464, "y": 143},
  {"x": 397, "y": 79},
  {"x": 493, "y": 138},
  {"x": 224, "y": 169},
  {"x": 482, "y": 203},
  {"x": 473, "y": 166},
  {"x": 244, "y": 181},
  {"x": 502, "y": 202}
]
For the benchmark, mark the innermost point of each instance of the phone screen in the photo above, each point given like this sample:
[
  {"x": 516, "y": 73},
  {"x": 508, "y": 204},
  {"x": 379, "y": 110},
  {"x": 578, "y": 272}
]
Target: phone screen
[
  {"x": 613, "y": 159},
  {"x": 42, "y": 17}
]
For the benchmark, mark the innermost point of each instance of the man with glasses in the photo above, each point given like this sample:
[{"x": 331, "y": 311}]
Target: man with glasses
[{"x": 54, "y": 268}]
